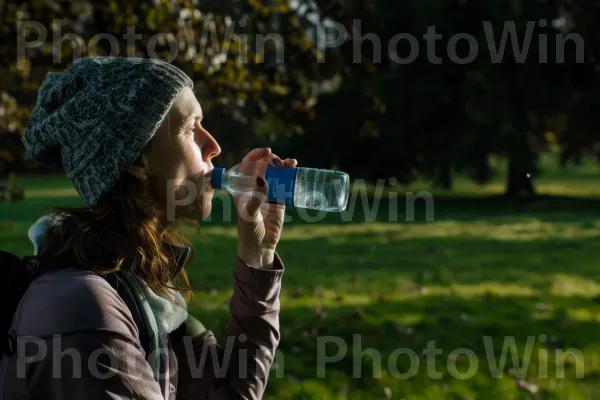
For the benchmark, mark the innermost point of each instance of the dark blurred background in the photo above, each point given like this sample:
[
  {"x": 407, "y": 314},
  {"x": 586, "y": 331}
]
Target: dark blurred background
[{"x": 349, "y": 104}]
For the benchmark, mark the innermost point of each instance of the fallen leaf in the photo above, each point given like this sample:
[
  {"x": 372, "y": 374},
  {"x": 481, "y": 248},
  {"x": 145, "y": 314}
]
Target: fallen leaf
[
  {"x": 540, "y": 306},
  {"x": 388, "y": 392},
  {"x": 391, "y": 236},
  {"x": 418, "y": 289},
  {"x": 527, "y": 386},
  {"x": 406, "y": 330},
  {"x": 319, "y": 313}
]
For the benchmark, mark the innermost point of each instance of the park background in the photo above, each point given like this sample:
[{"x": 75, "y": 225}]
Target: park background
[{"x": 506, "y": 152}]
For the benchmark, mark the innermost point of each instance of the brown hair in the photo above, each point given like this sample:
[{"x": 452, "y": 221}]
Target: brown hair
[{"x": 126, "y": 225}]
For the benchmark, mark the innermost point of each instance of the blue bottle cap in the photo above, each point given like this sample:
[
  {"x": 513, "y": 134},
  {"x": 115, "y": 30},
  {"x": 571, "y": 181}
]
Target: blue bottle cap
[{"x": 216, "y": 180}]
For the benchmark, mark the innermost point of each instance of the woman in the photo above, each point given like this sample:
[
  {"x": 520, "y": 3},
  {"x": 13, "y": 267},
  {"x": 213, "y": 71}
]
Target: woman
[{"x": 128, "y": 133}]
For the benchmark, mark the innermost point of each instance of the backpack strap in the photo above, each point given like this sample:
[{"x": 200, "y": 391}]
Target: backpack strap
[
  {"x": 117, "y": 281},
  {"x": 16, "y": 276}
]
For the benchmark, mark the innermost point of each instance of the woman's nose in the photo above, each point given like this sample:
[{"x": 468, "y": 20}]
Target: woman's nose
[{"x": 211, "y": 148}]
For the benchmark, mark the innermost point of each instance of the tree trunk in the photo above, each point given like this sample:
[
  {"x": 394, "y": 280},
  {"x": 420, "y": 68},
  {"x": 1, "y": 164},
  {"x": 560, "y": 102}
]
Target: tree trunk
[
  {"x": 519, "y": 180},
  {"x": 444, "y": 178}
]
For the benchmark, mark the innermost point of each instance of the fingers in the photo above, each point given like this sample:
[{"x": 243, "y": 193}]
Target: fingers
[
  {"x": 278, "y": 162},
  {"x": 290, "y": 162},
  {"x": 265, "y": 154},
  {"x": 259, "y": 196},
  {"x": 257, "y": 154},
  {"x": 251, "y": 163},
  {"x": 275, "y": 160}
]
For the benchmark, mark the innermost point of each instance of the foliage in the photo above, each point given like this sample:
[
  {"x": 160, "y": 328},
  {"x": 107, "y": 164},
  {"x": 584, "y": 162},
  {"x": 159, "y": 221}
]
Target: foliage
[
  {"x": 578, "y": 133},
  {"x": 242, "y": 74},
  {"x": 437, "y": 118}
]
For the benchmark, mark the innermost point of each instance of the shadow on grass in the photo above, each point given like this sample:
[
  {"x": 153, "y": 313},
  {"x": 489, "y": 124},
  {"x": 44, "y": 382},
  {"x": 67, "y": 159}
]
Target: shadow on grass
[
  {"x": 382, "y": 262},
  {"x": 487, "y": 326},
  {"x": 391, "y": 261},
  {"x": 403, "y": 210},
  {"x": 399, "y": 210}
]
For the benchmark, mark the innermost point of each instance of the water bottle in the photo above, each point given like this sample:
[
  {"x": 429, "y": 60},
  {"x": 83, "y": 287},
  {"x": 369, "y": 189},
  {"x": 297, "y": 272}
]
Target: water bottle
[{"x": 311, "y": 188}]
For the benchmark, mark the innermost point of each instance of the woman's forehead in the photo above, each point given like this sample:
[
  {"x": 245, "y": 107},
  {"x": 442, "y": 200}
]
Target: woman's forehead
[{"x": 185, "y": 107}]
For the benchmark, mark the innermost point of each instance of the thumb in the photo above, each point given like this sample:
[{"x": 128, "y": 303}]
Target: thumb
[{"x": 259, "y": 195}]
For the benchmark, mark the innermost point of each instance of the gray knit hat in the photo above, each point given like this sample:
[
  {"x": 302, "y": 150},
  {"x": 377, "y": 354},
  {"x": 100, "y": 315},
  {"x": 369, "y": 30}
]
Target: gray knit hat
[{"x": 99, "y": 114}]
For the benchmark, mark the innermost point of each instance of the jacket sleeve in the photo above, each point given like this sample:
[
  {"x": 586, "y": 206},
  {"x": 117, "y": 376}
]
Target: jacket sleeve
[{"x": 237, "y": 367}]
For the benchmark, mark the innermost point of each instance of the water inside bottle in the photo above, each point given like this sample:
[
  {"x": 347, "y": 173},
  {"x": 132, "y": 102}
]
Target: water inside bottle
[{"x": 320, "y": 189}]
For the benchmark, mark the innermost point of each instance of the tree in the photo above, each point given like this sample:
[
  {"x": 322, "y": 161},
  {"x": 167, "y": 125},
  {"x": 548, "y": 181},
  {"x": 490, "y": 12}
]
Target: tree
[
  {"x": 377, "y": 105},
  {"x": 438, "y": 111},
  {"x": 243, "y": 76},
  {"x": 575, "y": 129}
]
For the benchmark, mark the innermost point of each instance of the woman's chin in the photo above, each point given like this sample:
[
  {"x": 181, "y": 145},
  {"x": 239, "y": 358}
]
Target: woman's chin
[
  {"x": 205, "y": 205},
  {"x": 206, "y": 210}
]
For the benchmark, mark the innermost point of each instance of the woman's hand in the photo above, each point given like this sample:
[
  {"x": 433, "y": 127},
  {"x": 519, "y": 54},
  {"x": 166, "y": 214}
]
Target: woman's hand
[{"x": 259, "y": 224}]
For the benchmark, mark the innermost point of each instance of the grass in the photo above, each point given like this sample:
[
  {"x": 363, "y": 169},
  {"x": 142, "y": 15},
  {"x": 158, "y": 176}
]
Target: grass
[{"x": 483, "y": 277}]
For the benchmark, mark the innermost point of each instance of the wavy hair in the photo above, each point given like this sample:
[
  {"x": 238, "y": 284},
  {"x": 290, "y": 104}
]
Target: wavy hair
[{"x": 126, "y": 229}]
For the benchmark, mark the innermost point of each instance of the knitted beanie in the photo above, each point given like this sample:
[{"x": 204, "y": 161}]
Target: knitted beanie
[{"x": 99, "y": 115}]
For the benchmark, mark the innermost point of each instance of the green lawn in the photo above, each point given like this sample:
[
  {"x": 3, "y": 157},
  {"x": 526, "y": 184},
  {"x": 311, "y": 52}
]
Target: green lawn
[{"x": 483, "y": 273}]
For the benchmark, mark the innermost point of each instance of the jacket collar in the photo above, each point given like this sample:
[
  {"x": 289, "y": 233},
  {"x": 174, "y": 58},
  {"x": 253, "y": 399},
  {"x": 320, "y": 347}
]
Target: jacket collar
[{"x": 178, "y": 255}]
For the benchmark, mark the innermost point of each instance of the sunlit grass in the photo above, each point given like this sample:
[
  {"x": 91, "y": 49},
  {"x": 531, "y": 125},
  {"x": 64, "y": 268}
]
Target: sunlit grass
[{"x": 483, "y": 267}]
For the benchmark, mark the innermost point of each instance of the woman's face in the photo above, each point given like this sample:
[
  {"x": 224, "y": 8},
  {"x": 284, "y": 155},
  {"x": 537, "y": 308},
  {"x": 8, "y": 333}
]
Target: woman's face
[{"x": 179, "y": 157}]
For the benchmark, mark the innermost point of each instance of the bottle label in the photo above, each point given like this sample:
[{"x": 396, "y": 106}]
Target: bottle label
[{"x": 281, "y": 183}]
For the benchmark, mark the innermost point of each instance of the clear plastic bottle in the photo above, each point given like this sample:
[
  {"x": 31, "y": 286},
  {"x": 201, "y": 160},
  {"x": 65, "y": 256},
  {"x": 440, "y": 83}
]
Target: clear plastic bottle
[{"x": 311, "y": 188}]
